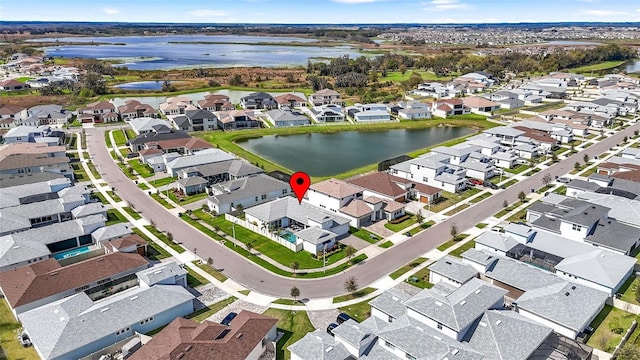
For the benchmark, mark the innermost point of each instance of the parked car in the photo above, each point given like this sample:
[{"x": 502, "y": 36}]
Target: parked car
[
  {"x": 331, "y": 327},
  {"x": 564, "y": 180},
  {"x": 407, "y": 234},
  {"x": 342, "y": 317},
  {"x": 491, "y": 185},
  {"x": 227, "y": 319},
  {"x": 24, "y": 339},
  {"x": 475, "y": 181}
]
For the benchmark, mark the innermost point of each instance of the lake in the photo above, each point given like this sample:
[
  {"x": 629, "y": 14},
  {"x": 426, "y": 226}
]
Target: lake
[
  {"x": 141, "y": 85},
  {"x": 632, "y": 66},
  {"x": 322, "y": 154},
  {"x": 184, "y": 51}
]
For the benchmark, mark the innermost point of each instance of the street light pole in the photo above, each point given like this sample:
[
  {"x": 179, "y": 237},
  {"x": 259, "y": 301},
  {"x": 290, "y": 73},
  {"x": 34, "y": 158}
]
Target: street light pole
[{"x": 233, "y": 228}]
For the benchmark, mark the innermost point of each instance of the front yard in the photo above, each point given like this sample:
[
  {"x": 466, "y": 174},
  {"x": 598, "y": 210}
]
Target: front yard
[
  {"x": 449, "y": 199},
  {"x": 360, "y": 311},
  {"x": 410, "y": 220},
  {"x": 420, "y": 279},
  {"x": 364, "y": 235}
]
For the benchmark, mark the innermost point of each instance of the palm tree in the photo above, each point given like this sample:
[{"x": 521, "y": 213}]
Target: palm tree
[
  {"x": 295, "y": 292},
  {"x": 294, "y": 266}
]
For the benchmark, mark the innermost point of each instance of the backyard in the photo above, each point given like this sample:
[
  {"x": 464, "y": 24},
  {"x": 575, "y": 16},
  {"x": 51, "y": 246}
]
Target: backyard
[
  {"x": 8, "y": 336},
  {"x": 294, "y": 324},
  {"x": 610, "y": 325}
]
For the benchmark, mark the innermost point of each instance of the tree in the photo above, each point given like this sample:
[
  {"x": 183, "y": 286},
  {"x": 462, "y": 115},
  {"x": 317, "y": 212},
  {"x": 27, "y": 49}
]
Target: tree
[
  {"x": 554, "y": 157},
  {"x": 403, "y": 69},
  {"x": 295, "y": 292},
  {"x": 629, "y": 351},
  {"x": 351, "y": 285},
  {"x": 236, "y": 80},
  {"x": 576, "y": 165},
  {"x": 522, "y": 196},
  {"x": 585, "y": 158},
  {"x": 170, "y": 237},
  {"x": 419, "y": 216},
  {"x": 249, "y": 246},
  {"x": 547, "y": 179},
  {"x": 505, "y": 203},
  {"x": 210, "y": 261},
  {"x": 349, "y": 251},
  {"x": 294, "y": 266},
  {"x": 454, "y": 231}
]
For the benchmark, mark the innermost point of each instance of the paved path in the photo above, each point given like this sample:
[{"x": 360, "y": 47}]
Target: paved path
[{"x": 369, "y": 272}]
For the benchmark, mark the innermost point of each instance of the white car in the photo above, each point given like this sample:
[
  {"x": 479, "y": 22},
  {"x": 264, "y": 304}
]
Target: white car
[{"x": 564, "y": 180}]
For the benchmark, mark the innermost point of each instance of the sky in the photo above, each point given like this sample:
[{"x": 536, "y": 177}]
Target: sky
[{"x": 322, "y": 11}]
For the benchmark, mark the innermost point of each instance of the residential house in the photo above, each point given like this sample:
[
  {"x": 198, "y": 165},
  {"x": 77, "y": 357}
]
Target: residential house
[
  {"x": 77, "y": 326},
  {"x": 216, "y": 102},
  {"x": 41, "y": 134},
  {"x": 414, "y": 110},
  {"x": 200, "y": 120},
  {"x": 480, "y": 105},
  {"x": 144, "y": 125},
  {"x": 12, "y": 115},
  {"x": 506, "y": 99},
  {"x": 237, "y": 119},
  {"x": 285, "y": 117},
  {"x": 159, "y": 132},
  {"x": 25, "y": 189},
  {"x": 192, "y": 185},
  {"x": 450, "y": 270},
  {"x": 133, "y": 109},
  {"x": 386, "y": 186},
  {"x": 432, "y": 169},
  {"x": 368, "y": 112},
  {"x": 12, "y": 85},
  {"x": 50, "y": 114},
  {"x": 34, "y": 285},
  {"x": 258, "y": 100},
  {"x": 202, "y": 157},
  {"x": 325, "y": 97},
  {"x": 290, "y": 101},
  {"x": 176, "y": 105},
  {"x": 245, "y": 192},
  {"x": 25, "y": 158},
  {"x": 98, "y": 112},
  {"x": 221, "y": 171},
  {"x": 248, "y": 336},
  {"x": 433, "y": 89},
  {"x": 327, "y": 113},
  {"x": 448, "y": 107},
  {"x": 313, "y": 228}
]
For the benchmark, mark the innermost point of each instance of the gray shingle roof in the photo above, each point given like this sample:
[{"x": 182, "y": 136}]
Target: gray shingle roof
[
  {"x": 315, "y": 235},
  {"x": 319, "y": 345},
  {"x": 520, "y": 275},
  {"x": 507, "y": 335},
  {"x": 599, "y": 266},
  {"x": 353, "y": 333},
  {"x": 246, "y": 187},
  {"x": 454, "y": 269},
  {"x": 461, "y": 307},
  {"x": 390, "y": 302},
  {"x": 161, "y": 272},
  {"x": 565, "y": 303},
  {"x": 75, "y": 322},
  {"x": 289, "y": 207},
  {"x": 112, "y": 231},
  {"x": 497, "y": 241},
  {"x": 478, "y": 257},
  {"x": 207, "y": 156}
]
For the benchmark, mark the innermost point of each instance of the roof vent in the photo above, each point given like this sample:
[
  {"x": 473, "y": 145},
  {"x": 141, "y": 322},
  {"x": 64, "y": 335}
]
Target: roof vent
[
  {"x": 395, "y": 298},
  {"x": 483, "y": 324},
  {"x": 438, "y": 303},
  {"x": 188, "y": 348},
  {"x": 54, "y": 273},
  {"x": 566, "y": 294},
  {"x": 448, "y": 262},
  {"x": 134, "y": 297},
  {"x": 157, "y": 272},
  {"x": 455, "y": 351},
  {"x": 437, "y": 337},
  {"x": 100, "y": 259},
  {"x": 478, "y": 291},
  {"x": 328, "y": 349},
  {"x": 180, "y": 356},
  {"x": 239, "y": 336},
  {"x": 498, "y": 322},
  {"x": 105, "y": 309},
  {"x": 463, "y": 302}
]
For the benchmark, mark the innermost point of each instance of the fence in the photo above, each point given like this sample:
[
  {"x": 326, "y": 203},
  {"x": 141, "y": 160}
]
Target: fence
[
  {"x": 297, "y": 246},
  {"x": 624, "y": 339}
]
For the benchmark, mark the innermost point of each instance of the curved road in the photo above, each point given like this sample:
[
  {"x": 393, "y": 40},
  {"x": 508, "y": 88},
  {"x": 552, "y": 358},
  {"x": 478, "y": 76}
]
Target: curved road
[{"x": 256, "y": 278}]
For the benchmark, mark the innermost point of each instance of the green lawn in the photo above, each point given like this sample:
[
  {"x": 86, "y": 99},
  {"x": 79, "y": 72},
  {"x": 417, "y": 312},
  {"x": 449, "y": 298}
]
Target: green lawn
[
  {"x": 450, "y": 243},
  {"x": 119, "y": 137},
  {"x": 266, "y": 246},
  {"x": 134, "y": 214},
  {"x": 423, "y": 226},
  {"x": 130, "y": 134},
  {"x": 448, "y": 199},
  {"x": 161, "y": 182},
  {"x": 204, "y": 313},
  {"x": 8, "y": 336},
  {"x": 194, "y": 279},
  {"x": 629, "y": 289},
  {"x": 165, "y": 239},
  {"x": 401, "y": 225},
  {"x": 401, "y": 271},
  {"x": 480, "y": 198},
  {"x": 364, "y": 235},
  {"x": 294, "y": 324},
  {"x": 508, "y": 209},
  {"x": 211, "y": 271},
  {"x": 397, "y": 76},
  {"x": 357, "y": 294},
  {"x": 386, "y": 244},
  {"x": 162, "y": 201},
  {"x": 79, "y": 173},
  {"x": 143, "y": 186},
  {"x": 93, "y": 170},
  {"x": 609, "y": 327},
  {"x": 114, "y": 217},
  {"x": 518, "y": 169},
  {"x": 458, "y": 252},
  {"x": 186, "y": 199},
  {"x": 510, "y": 182},
  {"x": 519, "y": 216},
  {"x": 481, "y": 225},
  {"x": 360, "y": 311},
  {"x": 154, "y": 251},
  {"x": 543, "y": 189},
  {"x": 562, "y": 190},
  {"x": 596, "y": 67},
  {"x": 98, "y": 195},
  {"x": 287, "y": 302},
  {"x": 457, "y": 209},
  {"x": 143, "y": 170},
  {"x": 422, "y": 279}
]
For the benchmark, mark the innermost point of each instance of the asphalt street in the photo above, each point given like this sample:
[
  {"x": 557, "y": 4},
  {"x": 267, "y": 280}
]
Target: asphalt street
[{"x": 256, "y": 278}]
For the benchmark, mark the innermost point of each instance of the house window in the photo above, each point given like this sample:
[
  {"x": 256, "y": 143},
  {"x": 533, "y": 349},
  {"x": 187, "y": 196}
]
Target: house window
[
  {"x": 576, "y": 227},
  {"x": 391, "y": 318},
  {"x": 264, "y": 197},
  {"x": 284, "y": 191},
  {"x": 425, "y": 179},
  {"x": 389, "y": 345},
  {"x": 439, "y": 326},
  {"x": 256, "y": 198}
]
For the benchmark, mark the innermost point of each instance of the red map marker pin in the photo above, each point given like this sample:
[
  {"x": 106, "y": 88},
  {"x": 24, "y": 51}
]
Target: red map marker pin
[{"x": 300, "y": 183}]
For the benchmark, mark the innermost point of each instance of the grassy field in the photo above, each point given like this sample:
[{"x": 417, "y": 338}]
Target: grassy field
[
  {"x": 397, "y": 76},
  {"x": 597, "y": 67},
  {"x": 295, "y": 325},
  {"x": 449, "y": 199},
  {"x": 360, "y": 311},
  {"x": 8, "y": 336},
  {"x": 114, "y": 217},
  {"x": 450, "y": 243},
  {"x": 194, "y": 279},
  {"x": 423, "y": 226},
  {"x": 227, "y": 140},
  {"x": 119, "y": 137},
  {"x": 480, "y": 198},
  {"x": 204, "y": 313},
  {"x": 134, "y": 214},
  {"x": 386, "y": 244},
  {"x": 186, "y": 199},
  {"x": 161, "y": 182},
  {"x": 458, "y": 252},
  {"x": 364, "y": 235},
  {"x": 401, "y": 271},
  {"x": 79, "y": 173},
  {"x": 629, "y": 289},
  {"x": 357, "y": 294},
  {"x": 401, "y": 225},
  {"x": 457, "y": 209},
  {"x": 423, "y": 279},
  {"x": 609, "y": 327},
  {"x": 143, "y": 169}
]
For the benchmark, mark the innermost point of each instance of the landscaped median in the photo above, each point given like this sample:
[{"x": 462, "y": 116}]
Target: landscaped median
[{"x": 307, "y": 265}]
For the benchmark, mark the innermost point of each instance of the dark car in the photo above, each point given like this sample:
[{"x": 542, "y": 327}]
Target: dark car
[
  {"x": 342, "y": 317},
  {"x": 227, "y": 319},
  {"x": 331, "y": 327},
  {"x": 491, "y": 185}
]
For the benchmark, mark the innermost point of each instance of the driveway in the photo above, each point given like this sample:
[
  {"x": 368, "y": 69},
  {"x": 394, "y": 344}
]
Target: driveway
[
  {"x": 379, "y": 229},
  {"x": 257, "y": 278},
  {"x": 320, "y": 319},
  {"x": 236, "y": 307},
  {"x": 355, "y": 242}
]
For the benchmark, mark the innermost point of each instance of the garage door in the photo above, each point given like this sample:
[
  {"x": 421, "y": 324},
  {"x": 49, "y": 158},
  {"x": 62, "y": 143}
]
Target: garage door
[{"x": 424, "y": 199}]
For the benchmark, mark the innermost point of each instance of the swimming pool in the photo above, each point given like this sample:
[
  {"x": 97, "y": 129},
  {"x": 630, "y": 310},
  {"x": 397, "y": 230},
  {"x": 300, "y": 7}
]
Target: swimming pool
[
  {"x": 289, "y": 236},
  {"x": 70, "y": 253}
]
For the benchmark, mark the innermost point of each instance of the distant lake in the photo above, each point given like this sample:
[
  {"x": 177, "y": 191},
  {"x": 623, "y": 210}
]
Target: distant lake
[
  {"x": 184, "y": 51},
  {"x": 141, "y": 85},
  {"x": 326, "y": 154},
  {"x": 632, "y": 66},
  {"x": 572, "y": 42}
]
